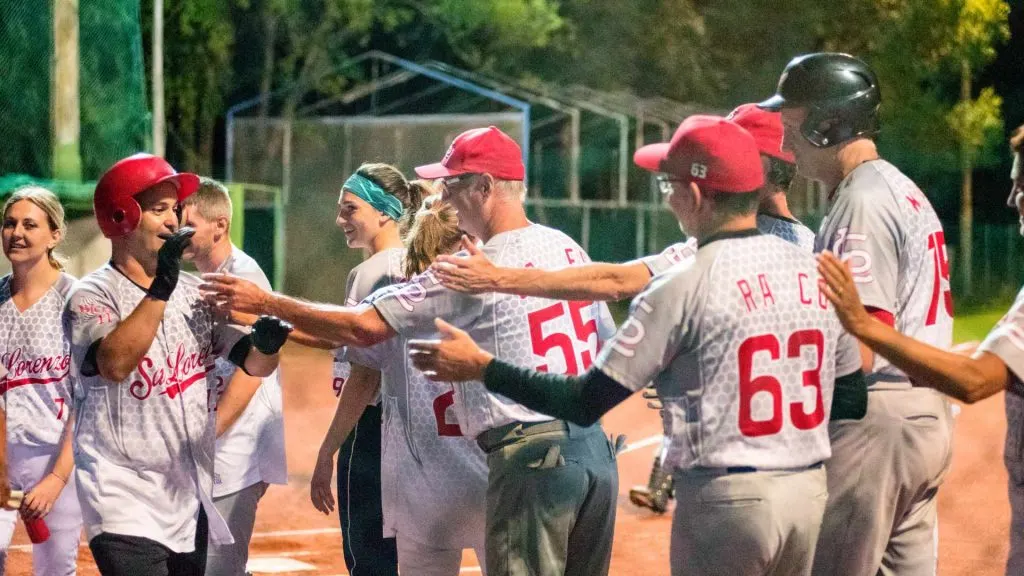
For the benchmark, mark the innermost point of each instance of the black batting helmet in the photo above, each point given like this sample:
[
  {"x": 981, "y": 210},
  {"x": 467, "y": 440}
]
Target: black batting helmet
[{"x": 840, "y": 93}]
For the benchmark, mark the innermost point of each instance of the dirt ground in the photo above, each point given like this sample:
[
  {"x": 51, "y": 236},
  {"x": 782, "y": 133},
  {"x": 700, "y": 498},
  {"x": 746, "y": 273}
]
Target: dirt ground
[{"x": 974, "y": 514}]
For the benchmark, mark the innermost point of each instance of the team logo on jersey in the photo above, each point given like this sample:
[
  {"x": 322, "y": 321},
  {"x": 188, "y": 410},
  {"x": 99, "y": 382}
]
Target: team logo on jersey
[
  {"x": 23, "y": 370},
  {"x": 182, "y": 371}
]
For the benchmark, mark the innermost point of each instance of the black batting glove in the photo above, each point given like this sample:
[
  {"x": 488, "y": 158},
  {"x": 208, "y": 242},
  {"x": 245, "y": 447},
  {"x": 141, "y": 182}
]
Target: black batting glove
[
  {"x": 168, "y": 263},
  {"x": 269, "y": 333}
]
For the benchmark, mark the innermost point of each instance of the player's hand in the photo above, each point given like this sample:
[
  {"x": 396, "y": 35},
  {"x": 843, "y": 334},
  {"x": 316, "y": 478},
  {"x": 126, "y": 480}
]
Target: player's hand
[
  {"x": 320, "y": 483},
  {"x": 168, "y": 263},
  {"x": 841, "y": 290},
  {"x": 453, "y": 358},
  {"x": 233, "y": 294},
  {"x": 269, "y": 333},
  {"x": 39, "y": 500},
  {"x": 471, "y": 274}
]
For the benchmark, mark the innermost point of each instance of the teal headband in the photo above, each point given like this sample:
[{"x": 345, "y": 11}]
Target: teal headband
[{"x": 374, "y": 195}]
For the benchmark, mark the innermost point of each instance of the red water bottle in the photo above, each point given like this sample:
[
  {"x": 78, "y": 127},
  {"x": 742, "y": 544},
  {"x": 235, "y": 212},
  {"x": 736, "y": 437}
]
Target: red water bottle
[{"x": 38, "y": 531}]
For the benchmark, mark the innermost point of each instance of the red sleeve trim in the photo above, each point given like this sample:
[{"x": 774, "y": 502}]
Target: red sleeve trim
[{"x": 882, "y": 315}]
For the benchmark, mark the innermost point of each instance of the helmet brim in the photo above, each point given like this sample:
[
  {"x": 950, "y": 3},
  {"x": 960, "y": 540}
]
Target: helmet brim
[
  {"x": 774, "y": 104},
  {"x": 185, "y": 182}
]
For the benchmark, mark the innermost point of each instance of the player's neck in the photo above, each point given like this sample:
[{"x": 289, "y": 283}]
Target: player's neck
[
  {"x": 138, "y": 272},
  {"x": 775, "y": 205},
  {"x": 504, "y": 217},
  {"x": 219, "y": 253},
  {"x": 732, "y": 224},
  {"x": 29, "y": 281},
  {"x": 854, "y": 153},
  {"x": 387, "y": 238}
]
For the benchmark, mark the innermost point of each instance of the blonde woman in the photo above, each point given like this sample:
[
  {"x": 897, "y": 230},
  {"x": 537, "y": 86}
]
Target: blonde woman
[{"x": 38, "y": 386}]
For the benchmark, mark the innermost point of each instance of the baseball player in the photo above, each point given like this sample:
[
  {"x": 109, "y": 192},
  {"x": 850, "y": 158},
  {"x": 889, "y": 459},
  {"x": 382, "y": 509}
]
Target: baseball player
[
  {"x": 38, "y": 387},
  {"x": 249, "y": 453},
  {"x": 434, "y": 478},
  {"x": 556, "y": 478},
  {"x": 743, "y": 350},
  {"x": 143, "y": 345},
  {"x": 601, "y": 281},
  {"x": 883, "y": 225},
  {"x": 371, "y": 208},
  {"x": 996, "y": 365}
]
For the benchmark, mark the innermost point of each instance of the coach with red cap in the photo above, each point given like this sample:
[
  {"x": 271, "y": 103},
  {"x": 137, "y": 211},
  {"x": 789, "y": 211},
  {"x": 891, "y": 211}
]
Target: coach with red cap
[
  {"x": 142, "y": 344},
  {"x": 744, "y": 353},
  {"x": 552, "y": 484}
]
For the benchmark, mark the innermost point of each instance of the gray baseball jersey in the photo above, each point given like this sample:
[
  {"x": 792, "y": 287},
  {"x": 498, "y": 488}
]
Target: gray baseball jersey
[
  {"x": 38, "y": 389},
  {"x": 143, "y": 447},
  {"x": 885, "y": 227},
  {"x": 252, "y": 450},
  {"x": 549, "y": 335},
  {"x": 789, "y": 230},
  {"x": 743, "y": 349},
  {"x": 433, "y": 478},
  {"x": 382, "y": 269}
]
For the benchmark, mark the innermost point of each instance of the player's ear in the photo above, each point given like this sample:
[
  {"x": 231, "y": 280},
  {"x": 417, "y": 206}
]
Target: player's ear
[{"x": 696, "y": 195}]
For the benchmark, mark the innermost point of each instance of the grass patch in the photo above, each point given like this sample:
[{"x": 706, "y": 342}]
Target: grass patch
[{"x": 975, "y": 326}]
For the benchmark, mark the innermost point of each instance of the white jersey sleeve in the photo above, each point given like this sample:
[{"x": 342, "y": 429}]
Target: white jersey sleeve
[
  {"x": 677, "y": 253},
  {"x": 792, "y": 231},
  {"x": 1006, "y": 340}
]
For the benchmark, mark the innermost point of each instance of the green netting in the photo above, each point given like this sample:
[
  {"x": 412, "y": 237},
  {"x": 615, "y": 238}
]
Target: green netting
[
  {"x": 113, "y": 118},
  {"x": 74, "y": 195}
]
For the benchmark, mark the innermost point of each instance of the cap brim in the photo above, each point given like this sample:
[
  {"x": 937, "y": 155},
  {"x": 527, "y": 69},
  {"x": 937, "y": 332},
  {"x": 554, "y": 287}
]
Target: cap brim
[
  {"x": 773, "y": 104},
  {"x": 434, "y": 171},
  {"x": 651, "y": 156},
  {"x": 186, "y": 183}
]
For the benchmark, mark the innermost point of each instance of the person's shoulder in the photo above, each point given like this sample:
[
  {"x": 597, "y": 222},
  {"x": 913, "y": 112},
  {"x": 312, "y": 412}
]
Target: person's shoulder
[
  {"x": 65, "y": 282},
  {"x": 245, "y": 266}
]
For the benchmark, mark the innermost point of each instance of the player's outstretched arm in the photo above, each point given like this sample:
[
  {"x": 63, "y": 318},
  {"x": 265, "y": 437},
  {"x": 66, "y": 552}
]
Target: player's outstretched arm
[
  {"x": 456, "y": 358},
  {"x": 360, "y": 388},
  {"x": 298, "y": 336},
  {"x": 475, "y": 273},
  {"x": 354, "y": 326},
  {"x": 968, "y": 379}
]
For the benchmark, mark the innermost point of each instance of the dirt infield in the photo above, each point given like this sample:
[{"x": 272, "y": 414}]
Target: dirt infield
[{"x": 974, "y": 515}]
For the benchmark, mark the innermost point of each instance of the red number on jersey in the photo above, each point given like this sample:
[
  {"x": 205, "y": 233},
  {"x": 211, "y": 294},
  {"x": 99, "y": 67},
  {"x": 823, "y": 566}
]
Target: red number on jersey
[
  {"x": 441, "y": 404},
  {"x": 583, "y": 330},
  {"x": 940, "y": 285},
  {"x": 213, "y": 394},
  {"x": 749, "y": 385},
  {"x": 60, "y": 411},
  {"x": 337, "y": 385}
]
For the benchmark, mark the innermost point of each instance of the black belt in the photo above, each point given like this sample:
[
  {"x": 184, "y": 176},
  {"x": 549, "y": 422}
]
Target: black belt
[
  {"x": 489, "y": 440},
  {"x": 748, "y": 469}
]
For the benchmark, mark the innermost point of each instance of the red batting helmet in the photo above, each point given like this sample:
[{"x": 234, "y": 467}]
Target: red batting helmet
[{"x": 117, "y": 212}]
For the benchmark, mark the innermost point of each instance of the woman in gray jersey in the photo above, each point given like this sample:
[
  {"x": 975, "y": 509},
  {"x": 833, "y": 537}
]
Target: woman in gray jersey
[
  {"x": 35, "y": 381},
  {"x": 433, "y": 477},
  {"x": 370, "y": 211}
]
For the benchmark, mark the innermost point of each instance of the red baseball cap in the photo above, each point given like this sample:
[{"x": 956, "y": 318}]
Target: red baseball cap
[
  {"x": 709, "y": 150},
  {"x": 765, "y": 127},
  {"x": 479, "y": 151}
]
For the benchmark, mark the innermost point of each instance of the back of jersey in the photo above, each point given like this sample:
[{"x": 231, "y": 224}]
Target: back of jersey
[
  {"x": 743, "y": 349},
  {"x": 884, "y": 226}
]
